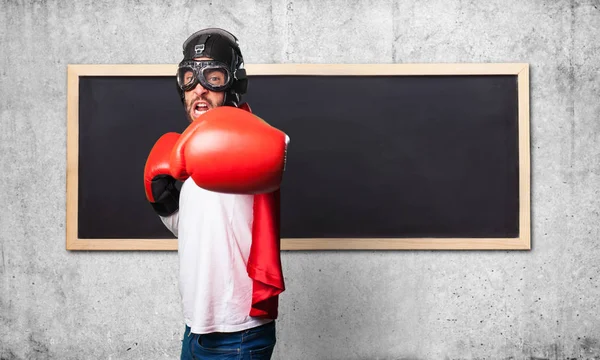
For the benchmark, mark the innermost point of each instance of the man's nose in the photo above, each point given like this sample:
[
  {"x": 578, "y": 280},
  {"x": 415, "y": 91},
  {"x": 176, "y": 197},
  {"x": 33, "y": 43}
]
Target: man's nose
[{"x": 199, "y": 89}]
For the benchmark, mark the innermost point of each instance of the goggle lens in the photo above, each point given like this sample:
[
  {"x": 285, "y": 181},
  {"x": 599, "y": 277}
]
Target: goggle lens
[{"x": 216, "y": 76}]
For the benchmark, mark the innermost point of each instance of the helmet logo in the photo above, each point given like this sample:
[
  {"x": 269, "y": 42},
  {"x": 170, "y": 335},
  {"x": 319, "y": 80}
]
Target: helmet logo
[{"x": 199, "y": 49}]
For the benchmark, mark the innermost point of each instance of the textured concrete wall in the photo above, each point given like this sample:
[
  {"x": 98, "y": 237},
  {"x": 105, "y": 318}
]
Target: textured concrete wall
[{"x": 542, "y": 304}]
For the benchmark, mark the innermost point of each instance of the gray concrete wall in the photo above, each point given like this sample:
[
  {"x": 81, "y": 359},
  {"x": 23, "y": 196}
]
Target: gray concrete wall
[{"x": 541, "y": 304}]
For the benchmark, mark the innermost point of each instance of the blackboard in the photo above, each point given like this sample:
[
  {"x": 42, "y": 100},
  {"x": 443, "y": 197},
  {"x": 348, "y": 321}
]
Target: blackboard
[{"x": 381, "y": 156}]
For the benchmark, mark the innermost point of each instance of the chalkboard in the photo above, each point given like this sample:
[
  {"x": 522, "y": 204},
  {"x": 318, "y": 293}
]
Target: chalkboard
[{"x": 381, "y": 156}]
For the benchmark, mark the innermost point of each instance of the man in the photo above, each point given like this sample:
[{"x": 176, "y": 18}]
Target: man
[{"x": 226, "y": 215}]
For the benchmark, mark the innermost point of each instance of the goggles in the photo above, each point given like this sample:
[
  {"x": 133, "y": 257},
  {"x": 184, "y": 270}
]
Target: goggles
[{"x": 212, "y": 75}]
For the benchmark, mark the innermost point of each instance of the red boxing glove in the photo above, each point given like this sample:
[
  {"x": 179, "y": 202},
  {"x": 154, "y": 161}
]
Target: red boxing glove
[
  {"x": 158, "y": 182},
  {"x": 230, "y": 150}
]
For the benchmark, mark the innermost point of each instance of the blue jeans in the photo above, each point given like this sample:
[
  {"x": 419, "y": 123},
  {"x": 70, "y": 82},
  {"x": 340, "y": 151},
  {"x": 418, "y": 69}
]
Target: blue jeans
[{"x": 252, "y": 344}]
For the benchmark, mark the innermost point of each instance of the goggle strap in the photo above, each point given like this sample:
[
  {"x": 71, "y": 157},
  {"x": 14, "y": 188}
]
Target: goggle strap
[{"x": 239, "y": 74}]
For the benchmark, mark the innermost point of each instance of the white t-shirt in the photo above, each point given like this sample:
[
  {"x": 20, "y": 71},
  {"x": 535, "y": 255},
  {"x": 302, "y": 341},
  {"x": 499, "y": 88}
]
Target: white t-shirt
[{"x": 214, "y": 233}]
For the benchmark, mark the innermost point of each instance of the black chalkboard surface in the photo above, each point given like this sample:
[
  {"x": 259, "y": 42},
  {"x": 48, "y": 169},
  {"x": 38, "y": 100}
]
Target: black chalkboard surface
[{"x": 375, "y": 161}]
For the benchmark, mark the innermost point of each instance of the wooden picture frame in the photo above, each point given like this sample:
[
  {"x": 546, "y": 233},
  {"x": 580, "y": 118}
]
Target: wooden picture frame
[{"x": 521, "y": 70}]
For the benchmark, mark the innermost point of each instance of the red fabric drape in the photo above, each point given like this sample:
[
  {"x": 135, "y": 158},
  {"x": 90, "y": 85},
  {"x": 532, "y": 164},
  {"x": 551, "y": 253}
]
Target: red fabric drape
[{"x": 264, "y": 262}]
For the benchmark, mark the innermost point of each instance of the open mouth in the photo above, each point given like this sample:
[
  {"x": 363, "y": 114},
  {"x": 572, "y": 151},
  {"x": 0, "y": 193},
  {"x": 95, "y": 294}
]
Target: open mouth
[{"x": 200, "y": 108}]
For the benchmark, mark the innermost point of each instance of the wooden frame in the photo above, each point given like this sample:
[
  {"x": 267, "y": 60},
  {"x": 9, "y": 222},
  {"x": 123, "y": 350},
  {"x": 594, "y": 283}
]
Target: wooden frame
[{"x": 521, "y": 70}]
